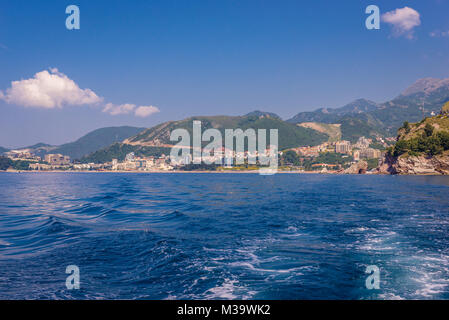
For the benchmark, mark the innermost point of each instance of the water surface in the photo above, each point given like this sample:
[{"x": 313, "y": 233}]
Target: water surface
[{"x": 223, "y": 236}]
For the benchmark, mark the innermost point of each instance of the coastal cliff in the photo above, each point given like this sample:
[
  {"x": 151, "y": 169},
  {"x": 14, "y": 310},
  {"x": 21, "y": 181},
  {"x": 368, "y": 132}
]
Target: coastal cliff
[
  {"x": 421, "y": 148},
  {"x": 415, "y": 165}
]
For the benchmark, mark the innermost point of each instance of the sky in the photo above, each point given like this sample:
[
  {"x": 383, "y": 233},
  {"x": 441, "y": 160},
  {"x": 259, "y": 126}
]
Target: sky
[{"x": 140, "y": 63}]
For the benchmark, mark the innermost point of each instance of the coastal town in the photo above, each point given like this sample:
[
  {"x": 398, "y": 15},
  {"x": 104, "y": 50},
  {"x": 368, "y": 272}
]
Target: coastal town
[{"x": 339, "y": 155}]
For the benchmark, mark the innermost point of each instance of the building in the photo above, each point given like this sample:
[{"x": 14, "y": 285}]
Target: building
[
  {"x": 149, "y": 163},
  {"x": 114, "y": 164},
  {"x": 130, "y": 156},
  {"x": 363, "y": 143},
  {"x": 82, "y": 166},
  {"x": 370, "y": 153},
  {"x": 57, "y": 159},
  {"x": 22, "y": 155},
  {"x": 40, "y": 166},
  {"x": 130, "y": 165},
  {"x": 343, "y": 147},
  {"x": 356, "y": 155},
  {"x": 308, "y": 151},
  {"x": 325, "y": 165}
]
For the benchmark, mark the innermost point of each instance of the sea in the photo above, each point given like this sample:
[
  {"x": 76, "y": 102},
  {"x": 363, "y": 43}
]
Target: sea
[{"x": 223, "y": 236}]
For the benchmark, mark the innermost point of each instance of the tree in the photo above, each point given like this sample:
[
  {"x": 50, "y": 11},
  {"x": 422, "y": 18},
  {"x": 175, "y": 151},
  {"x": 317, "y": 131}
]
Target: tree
[
  {"x": 372, "y": 163},
  {"x": 444, "y": 139},
  {"x": 406, "y": 126},
  {"x": 5, "y": 163},
  {"x": 21, "y": 165},
  {"x": 428, "y": 130},
  {"x": 401, "y": 147},
  {"x": 291, "y": 157},
  {"x": 445, "y": 109}
]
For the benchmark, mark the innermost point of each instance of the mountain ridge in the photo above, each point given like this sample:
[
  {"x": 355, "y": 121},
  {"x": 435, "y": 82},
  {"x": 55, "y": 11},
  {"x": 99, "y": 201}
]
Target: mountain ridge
[
  {"x": 329, "y": 115},
  {"x": 358, "y": 118},
  {"x": 96, "y": 140},
  {"x": 259, "y": 113},
  {"x": 160, "y": 135},
  {"x": 86, "y": 144},
  {"x": 423, "y": 98},
  {"x": 145, "y": 142},
  {"x": 426, "y": 85}
]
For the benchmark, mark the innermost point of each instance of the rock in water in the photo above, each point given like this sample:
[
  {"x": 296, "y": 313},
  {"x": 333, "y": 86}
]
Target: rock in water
[{"x": 357, "y": 168}]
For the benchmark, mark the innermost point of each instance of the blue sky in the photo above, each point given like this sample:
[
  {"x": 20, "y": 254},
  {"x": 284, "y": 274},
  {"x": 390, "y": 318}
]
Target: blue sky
[{"x": 209, "y": 57}]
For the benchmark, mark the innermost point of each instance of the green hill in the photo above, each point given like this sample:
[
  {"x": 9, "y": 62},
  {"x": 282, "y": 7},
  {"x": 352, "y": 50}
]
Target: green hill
[
  {"x": 156, "y": 140},
  {"x": 41, "y": 149},
  {"x": 39, "y": 145},
  {"x": 91, "y": 142},
  {"x": 427, "y": 137},
  {"x": 290, "y": 135},
  {"x": 120, "y": 150},
  {"x": 2, "y": 150},
  {"x": 96, "y": 140},
  {"x": 258, "y": 113},
  {"x": 362, "y": 125}
]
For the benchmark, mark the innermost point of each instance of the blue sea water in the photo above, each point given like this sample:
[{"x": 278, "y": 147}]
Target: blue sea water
[{"x": 223, "y": 236}]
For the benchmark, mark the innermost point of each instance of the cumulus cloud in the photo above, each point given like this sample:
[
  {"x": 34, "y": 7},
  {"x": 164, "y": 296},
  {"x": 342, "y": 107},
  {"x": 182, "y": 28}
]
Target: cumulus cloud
[
  {"x": 145, "y": 111},
  {"x": 141, "y": 111},
  {"x": 403, "y": 20},
  {"x": 48, "y": 89},
  {"x": 115, "y": 110}
]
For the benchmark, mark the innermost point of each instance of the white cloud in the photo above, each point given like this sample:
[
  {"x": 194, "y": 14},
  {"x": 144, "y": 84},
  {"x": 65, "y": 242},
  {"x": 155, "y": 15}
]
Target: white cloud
[
  {"x": 145, "y": 111},
  {"x": 437, "y": 34},
  {"x": 403, "y": 20},
  {"x": 48, "y": 90},
  {"x": 114, "y": 110},
  {"x": 53, "y": 89},
  {"x": 141, "y": 111}
]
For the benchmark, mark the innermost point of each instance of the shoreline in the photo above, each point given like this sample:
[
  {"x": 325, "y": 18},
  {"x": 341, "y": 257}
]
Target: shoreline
[
  {"x": 171, "y": 171},
  {"x": 160, "y": 171},
  {"x": 214, "y": 172}
]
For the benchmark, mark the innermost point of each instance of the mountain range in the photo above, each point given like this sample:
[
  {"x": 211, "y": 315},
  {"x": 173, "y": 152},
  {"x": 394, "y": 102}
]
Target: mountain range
[
  {"x": 332, "y": 115},
  {"x": 85, "y": 145},
  {"x": 158, "y": 138},
  {"x": 361, "y": 117},
  {"x": 422, "y": 99}
]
